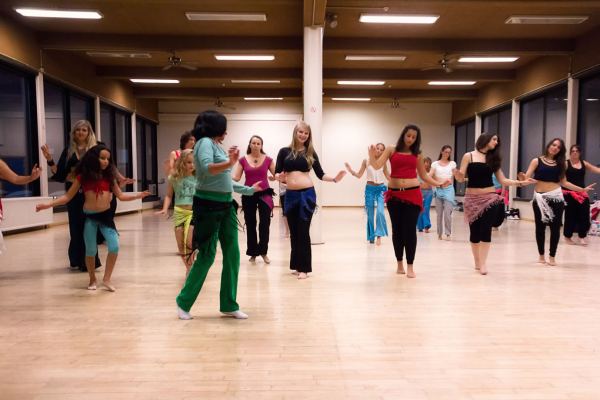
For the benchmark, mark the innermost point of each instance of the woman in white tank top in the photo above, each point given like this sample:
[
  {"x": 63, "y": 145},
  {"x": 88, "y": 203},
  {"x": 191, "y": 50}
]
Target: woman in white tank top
[
  {"x": 376, "y": 225},
  {"x": 444, "y": 195}
]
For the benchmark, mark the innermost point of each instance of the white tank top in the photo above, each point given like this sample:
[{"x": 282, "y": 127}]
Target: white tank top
[{"x": 374, "y": 175}]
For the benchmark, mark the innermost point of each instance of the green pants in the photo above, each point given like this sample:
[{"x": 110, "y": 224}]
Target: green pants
[{"x": 212, "y": 224}]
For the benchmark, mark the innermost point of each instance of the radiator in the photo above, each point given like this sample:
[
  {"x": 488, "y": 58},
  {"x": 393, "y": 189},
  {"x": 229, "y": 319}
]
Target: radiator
[{"x": 19, "y": 213}]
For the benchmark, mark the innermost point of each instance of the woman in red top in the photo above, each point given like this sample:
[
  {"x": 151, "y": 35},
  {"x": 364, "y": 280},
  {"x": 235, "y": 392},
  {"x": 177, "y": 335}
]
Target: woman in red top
[{"x": 404, "y": 199}]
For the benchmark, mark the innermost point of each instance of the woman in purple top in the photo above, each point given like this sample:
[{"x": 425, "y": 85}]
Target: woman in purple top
[{"x": 255, "y": 165}]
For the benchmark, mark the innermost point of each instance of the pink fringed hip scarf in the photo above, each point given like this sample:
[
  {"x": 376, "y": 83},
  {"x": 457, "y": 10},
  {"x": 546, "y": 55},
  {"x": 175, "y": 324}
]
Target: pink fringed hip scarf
[{"x": 476, "y": 204}]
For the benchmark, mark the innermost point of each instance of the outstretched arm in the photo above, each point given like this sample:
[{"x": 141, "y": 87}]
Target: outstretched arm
[
  {"x": 504, "y": 181},
  {"x": 530, "y": 170},
  {"x": 591, "y": 167},
  {"x": 424, "y": 175},
  {"x": 59, "y": 201},
  {"x": 168, "y": 199},
  {"x": 361, "y": 171},
  {"x": 461, "y": 173},
  {"x": 9, "y": 175},
  {"x": 128, "y": 196}
]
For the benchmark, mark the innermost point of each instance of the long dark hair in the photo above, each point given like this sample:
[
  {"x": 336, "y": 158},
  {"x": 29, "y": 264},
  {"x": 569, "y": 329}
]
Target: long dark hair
[
  {"x": 89, "y": 166},
  {"x": 492, "y": 157},
  {"x": 248, "y": 150},
  {"x": 444, "y": 147},
  {"x": 415, "y": 148},
  {"x": 184, "y": 139},
  {"x": 209, "y": 124},
  {"x": 560, "y": 157},
  {"x": 578, "y": 147}
]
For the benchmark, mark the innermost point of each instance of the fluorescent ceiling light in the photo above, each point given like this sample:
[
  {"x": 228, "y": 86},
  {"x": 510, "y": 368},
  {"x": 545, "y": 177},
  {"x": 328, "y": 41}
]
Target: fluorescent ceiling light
[
  {"x": 241, "y": 57},
  {"x": 592, "y": 99},
  {"x": 116, "y": 54},
  {"x": 451, "y": 83},
  {"x": 254, "y": 81},
  {"x": 546, "y": 19},
  {"x": 225, "y": 16},
  {"x": 136, "y": 80},
  {"x": 398, "y": 19},
  {"x": 487, "y": 59},
  {"x": 374, "y": 58},
  {"x": 48, "y": 13},
  {"x": 262, "y": 98},
  {"x": 363, "y": 83},
  {"x": 351, "y": 98}
]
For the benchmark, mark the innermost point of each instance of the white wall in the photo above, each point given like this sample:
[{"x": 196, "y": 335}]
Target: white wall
[{"x": 348, "y": 129}]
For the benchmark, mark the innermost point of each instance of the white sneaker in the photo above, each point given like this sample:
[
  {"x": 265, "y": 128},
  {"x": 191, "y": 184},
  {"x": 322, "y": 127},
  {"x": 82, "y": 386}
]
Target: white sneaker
[
  {"x": 236, "y": 314},
  {"x": 183, "y": 314}
]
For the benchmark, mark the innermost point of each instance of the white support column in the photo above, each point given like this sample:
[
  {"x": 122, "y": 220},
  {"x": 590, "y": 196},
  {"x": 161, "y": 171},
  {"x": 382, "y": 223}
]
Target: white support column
[
  {"x": 134, "y": 154},
  {"x": 572, "y": 110},
  {"x": 41, "y": 124},
  {"x": 514, "y": 148},
  {"x": 313, "y": 106},
  {"x": 478, "y": 127},
  {"x": 97, "y": 113}
]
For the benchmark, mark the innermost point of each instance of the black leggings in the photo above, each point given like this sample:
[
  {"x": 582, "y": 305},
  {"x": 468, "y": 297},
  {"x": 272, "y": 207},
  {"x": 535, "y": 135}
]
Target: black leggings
[
  {"x": 301, "y": 255},
  {"x": 577, "y": 217},
  {"x": 540, "y": 227},
  {"x": 481, "y": 228},
  {"x": 249, "y": 205},
  {"x": 404, "y": 228}
]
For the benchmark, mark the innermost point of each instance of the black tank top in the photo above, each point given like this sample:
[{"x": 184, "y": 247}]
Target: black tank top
[
  {"x": 479, "y": 174},
  {"x": 574, "y": 175},
  {"x": 546, "y": 173}
]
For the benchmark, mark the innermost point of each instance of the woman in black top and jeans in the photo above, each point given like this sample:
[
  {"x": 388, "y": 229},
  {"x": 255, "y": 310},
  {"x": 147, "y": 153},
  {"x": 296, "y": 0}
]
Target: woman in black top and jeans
[
  {"x": 293, "y": 165},
  {"x": 577, "y": 211}
]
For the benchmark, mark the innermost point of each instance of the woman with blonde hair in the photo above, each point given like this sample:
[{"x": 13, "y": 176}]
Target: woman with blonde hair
[
  {"x": 293, "y": 166},
  {"x": 82, "y": 138},
  {"x": 182, "y": 185}
]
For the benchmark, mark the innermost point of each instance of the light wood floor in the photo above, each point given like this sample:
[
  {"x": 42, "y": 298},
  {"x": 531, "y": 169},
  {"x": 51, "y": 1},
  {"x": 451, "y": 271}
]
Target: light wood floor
[{"x": 355, "y": 329}]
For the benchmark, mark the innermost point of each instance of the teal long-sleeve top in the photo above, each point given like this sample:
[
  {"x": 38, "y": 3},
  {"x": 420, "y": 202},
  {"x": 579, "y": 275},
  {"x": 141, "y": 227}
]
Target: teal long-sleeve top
[{"x": 220, "y": 186}]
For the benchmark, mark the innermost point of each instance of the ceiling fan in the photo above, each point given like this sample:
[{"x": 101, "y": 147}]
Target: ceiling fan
[
  {"x": 446, "y": 64},
  {"x": 220, "y": 104},
  {"x": 175, "y": 61}
]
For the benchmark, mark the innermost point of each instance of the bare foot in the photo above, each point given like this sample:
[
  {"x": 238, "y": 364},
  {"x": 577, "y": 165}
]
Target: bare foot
[
  {"x": 551, "y": 261},
  {"x": 426, "y": 230},
  {"x": 294, "y": 272},
  {"x": 541, "y": 260},
  {"x": 92, "y": 286},
  {"x": 378, "y": 241},
  {"x": 252, "y": 259},
  {"x": 400, "y": 269},
  {"x": 447, "y": 237},
  {"x": 583, "y": 242},
  {"x": 108, "y": 286},
  {"x": 569, "y": 240},
  {"x": 266, "y": 259},
  {"x": 439, "y": 237},
  {"x": 302, "y": 275},
  {"x": 483, "y": 270},
  {"x": 477, "y": 267},
  {"x": 411, "y": 272}
]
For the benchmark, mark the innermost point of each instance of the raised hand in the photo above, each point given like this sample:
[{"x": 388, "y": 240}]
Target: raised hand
[
  {"x": 46, "y": 152},
  {"x": 372, "y": 151},
  {"x": 35, "y": 173},
  {"x": 234, "y": 154}
]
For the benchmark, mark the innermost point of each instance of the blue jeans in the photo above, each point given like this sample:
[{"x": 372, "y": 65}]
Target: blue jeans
[
  {"x": 424, "y": 222},
  {"x": 374, "y": 197}
]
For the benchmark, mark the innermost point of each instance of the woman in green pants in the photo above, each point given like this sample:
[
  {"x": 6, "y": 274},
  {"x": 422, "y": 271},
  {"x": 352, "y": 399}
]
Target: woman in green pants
[{"x": 214, "y": 215}]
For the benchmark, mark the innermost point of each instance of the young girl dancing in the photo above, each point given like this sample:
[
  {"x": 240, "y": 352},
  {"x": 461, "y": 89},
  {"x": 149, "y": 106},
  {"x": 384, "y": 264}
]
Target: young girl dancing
[
  {"x": 404, "y": 198},
  {"x": 548, "y": 200},
  {"x": 182, "y": 185},
  {"x": 96, "y": 175},
  {"x": 482, "y": 204},
  {"x": 374, "y": 195}
]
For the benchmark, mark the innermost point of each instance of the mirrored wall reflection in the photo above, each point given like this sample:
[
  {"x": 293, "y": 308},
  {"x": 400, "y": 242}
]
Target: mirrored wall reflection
[
  {"x": 17, "y": 127},
  {"x": 464, "y": 141},
  {"x": 147, "y": 168},
  {"x": 498, "y": 122},
  {"x": 543, "y": 117},
  {"x": 115, "y": 127},
  {"x": 588, "y": 132}
]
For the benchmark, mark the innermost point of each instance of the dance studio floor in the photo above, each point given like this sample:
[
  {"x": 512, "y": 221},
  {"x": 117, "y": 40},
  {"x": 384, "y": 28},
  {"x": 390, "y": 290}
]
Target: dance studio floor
[{"x": 354, "y": 329}]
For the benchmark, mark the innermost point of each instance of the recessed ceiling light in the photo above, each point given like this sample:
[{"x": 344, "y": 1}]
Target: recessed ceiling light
[
  {"x": 592, "y": 99},
  {"x": 241, "y": 57},
  {"x": 374, "y": 58},
  {"x": 398, "y": 19},
  {"x": 117, "y": 54},
  {"x": 487, "y": 59},
  {"x": 262, "y": 98},
  {"x": 351, "y": 98},
  {"x": 254, "y": 81},
  {"x": 225, "y": 16},
  {"x": 137, "y": 80},
  {"x": 546, "y": 19},
  {"x": 451, "y": 83},
  {"x": 362, "y": 83},
  {"x": 48, "y": 13}
]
